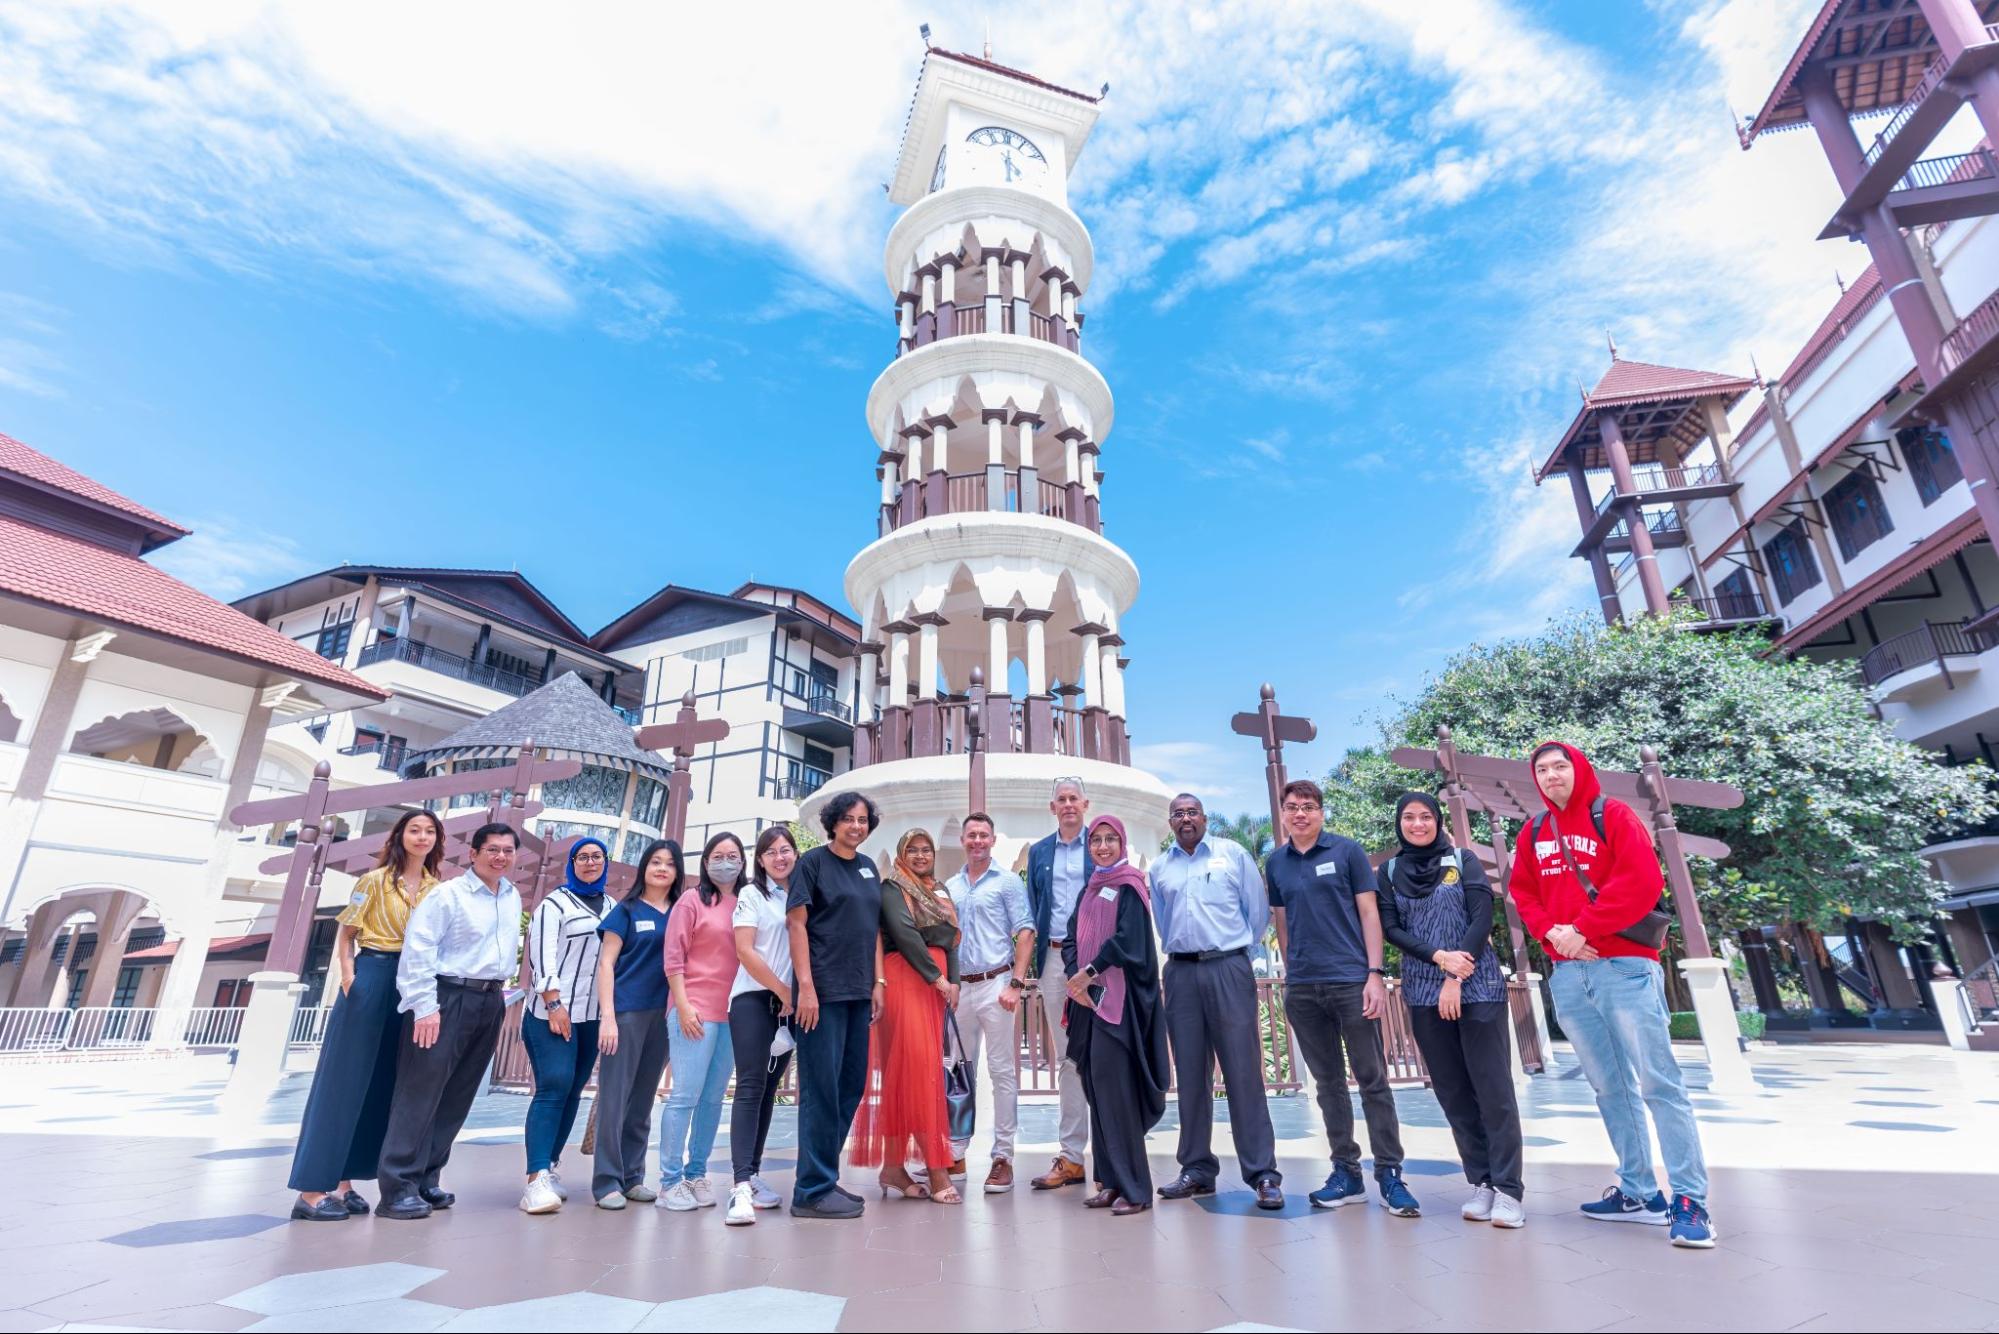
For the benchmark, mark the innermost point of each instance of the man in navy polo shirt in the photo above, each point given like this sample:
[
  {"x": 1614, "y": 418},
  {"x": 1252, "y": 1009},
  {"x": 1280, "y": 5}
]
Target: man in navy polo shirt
[{"x": 1329, "y": 932}]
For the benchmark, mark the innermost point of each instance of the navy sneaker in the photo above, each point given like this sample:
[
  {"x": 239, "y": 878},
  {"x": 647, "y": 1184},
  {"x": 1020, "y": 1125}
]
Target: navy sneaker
[
  {"x": 1691, "y": 1225},
  {"x": 1395, "y": 1196},
  {"x": 1341, "y": 1188},
  {"x": 1617, "y": 1207}
]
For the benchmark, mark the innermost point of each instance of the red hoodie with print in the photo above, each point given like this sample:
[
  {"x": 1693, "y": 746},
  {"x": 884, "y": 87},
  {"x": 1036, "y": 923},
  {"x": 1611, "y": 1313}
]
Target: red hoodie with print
[{"x": 1621, "y": 864}]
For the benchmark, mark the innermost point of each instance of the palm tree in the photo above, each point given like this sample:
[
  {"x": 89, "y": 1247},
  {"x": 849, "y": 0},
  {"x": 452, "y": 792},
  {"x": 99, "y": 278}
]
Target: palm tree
[{"x": 1252, "y": 831}]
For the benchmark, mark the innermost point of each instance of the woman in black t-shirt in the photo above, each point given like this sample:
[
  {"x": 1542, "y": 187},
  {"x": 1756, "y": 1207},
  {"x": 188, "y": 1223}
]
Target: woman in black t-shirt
[{"x": 833, "y": 910}]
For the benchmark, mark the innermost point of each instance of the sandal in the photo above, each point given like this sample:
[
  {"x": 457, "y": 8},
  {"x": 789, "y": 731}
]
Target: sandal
[
  {"x": 906, "y": 1189},
  {"x": 945, "y": 1193}
]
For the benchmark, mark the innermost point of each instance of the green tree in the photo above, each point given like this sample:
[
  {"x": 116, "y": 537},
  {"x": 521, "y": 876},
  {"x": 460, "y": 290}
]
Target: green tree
[
  {"x": 1836, "y": 806},
  {"x": 1251, "y": 831}
]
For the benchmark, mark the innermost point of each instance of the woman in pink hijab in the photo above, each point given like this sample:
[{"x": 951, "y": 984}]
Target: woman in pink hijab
[{"x": 1116, "y": 1036}]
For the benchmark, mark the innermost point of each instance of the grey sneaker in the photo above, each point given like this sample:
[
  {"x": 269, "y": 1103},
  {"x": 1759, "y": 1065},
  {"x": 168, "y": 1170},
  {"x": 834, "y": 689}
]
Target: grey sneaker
[
  {"x": 555, "y": 1184},
  {"x": 762, "y": 1196},
  {"x": 704, "y": 1194},
  {"x": 539, "y": 1197},
  {"x": 678, "y": 1197},
  {"x": 641, "y": 1193},
  {"x": 612, "y": 1201},
  {"x": 1478, "y": 1209}
]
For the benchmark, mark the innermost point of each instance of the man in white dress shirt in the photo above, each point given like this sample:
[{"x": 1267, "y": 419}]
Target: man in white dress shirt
[{"x": 462, "y": 944}]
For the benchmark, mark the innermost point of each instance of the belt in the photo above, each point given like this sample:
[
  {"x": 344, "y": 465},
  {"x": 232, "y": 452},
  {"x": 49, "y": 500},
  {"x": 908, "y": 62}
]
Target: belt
[
  {"x": 1203, "y": 956},
  {"x": 370, "y": 951},
  {"x": 1056, "y": 944},
  {"x": 987, "y": 976},
  {"x": 470, "y": 983}
]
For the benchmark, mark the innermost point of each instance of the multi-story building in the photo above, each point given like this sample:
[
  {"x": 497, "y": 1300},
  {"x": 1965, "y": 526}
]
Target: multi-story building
[
  {"x": 986, "y": 427},
  {"x": 1848, "y": 504},
  {"x": 133, "y": 717},
  {"x": 777, "y": 664}
]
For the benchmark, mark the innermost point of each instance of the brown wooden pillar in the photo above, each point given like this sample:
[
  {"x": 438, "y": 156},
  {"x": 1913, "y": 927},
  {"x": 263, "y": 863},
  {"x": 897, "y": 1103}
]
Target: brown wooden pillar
[
  {"x": 1599, "y": 564},
  {"x": 1762, "y": 973},
  {"x": 116, "y": 912},
  {"x": 1649, "y": 578}
]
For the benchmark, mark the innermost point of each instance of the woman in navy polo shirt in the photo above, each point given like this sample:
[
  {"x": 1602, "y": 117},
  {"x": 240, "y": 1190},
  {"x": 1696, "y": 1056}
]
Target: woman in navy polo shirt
[{"x": 632, "y": 996}]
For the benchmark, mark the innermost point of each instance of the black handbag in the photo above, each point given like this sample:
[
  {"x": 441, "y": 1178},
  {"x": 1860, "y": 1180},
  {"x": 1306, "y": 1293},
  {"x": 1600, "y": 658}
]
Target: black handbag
[
  {"x": 1649, "y": 930},
  {"x": 960, "y": 1086}
]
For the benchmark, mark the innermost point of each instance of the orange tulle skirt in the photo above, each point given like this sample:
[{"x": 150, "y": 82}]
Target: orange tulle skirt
[{"x": 902, "y": 1116}]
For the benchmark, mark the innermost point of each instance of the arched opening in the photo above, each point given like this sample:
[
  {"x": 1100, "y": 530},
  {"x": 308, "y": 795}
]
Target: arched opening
[
  {"x": 10, "y": 724},
  {"x": 157, "y": 738}
]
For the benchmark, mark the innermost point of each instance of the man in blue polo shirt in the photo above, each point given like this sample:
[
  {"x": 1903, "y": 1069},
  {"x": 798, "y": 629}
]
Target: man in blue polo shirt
[{"x": 1329, "y": 932}]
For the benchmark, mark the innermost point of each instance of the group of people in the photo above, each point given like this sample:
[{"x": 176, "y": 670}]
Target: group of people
[{"x": 872, "y": 977}]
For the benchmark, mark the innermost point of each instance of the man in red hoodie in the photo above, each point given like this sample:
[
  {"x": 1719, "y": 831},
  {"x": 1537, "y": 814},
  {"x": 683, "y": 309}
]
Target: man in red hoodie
[{"x": 1583, "y": 874}]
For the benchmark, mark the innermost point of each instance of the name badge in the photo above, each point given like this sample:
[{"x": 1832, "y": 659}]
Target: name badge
[
  {"x": 1218, "y": 866},
  {"x": 866, "y": 874},
  {"x": 646, "y": 926},
  {"x": 1108, "y": 893},
  {"x": 1324, "y": 869},
  {"x": 358, "y": 900}
]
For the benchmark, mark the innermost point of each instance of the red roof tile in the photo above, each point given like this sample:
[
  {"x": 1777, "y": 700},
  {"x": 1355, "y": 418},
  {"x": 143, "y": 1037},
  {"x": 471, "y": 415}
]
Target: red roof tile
[
  {"x": 58, "y": 571},
  {"x": 1642, "y": 382},
  {"x": 29, "y": 462}
]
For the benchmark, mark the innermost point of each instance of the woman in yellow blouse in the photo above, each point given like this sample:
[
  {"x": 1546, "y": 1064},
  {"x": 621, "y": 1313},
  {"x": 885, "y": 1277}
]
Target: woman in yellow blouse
[{"x": 348, "y": 1108}]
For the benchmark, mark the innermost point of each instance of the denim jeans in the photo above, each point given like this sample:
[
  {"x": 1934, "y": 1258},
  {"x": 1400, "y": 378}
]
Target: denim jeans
[
  {"x": 701, "y": 1068},
  {"x": 832, "y": 1078},
  {"x": 561, "y": 1069},
  {"x": 1614, "y": 1012}
]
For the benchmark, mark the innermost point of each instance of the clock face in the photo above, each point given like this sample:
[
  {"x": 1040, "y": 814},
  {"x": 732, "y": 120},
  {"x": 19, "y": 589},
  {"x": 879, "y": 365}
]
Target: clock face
[
  {"x": 937, "y": 176},
  {"x": 1015, "y": 152}
]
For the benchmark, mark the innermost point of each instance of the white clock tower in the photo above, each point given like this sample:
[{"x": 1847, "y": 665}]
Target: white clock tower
[{"x": 988, "y": 427}]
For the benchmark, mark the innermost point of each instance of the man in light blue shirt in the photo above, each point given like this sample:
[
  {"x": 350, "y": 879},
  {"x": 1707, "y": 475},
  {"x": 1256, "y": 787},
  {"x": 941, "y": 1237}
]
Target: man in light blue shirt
[
  {"x": 1211, "y": 908},
  {"x": 995, "y": 949},
  {"x": 462, "y": 945}
]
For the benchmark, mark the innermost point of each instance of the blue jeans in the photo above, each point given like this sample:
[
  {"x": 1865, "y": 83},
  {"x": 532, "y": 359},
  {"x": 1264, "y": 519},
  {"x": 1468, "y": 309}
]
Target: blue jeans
[
  {"x": 701, "y": 1069},
  {"x": 832, "y": 1078},
  {"x": 561, "y": 1069},
  {"x": 1614, "y": 1012}
]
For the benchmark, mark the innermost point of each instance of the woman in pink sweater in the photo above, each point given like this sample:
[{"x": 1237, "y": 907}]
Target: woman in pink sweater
[{"x": 700, "y": 965}]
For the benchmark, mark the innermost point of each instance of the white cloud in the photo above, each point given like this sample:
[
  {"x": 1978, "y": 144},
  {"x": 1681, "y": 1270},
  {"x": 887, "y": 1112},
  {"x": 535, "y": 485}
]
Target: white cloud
[
  {"x": 227, "y": 560},
  {"x": 1222, "y": 779}
]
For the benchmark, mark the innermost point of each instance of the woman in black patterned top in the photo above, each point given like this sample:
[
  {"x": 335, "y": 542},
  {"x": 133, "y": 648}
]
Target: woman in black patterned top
[{"x": 1436, "y": 907}]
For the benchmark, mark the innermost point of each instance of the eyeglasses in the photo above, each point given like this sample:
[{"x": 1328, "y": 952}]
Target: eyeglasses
[{"x": 1294, "y": 808}]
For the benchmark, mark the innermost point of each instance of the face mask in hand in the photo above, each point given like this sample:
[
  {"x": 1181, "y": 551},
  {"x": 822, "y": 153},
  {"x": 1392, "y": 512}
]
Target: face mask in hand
[{"x": 725, "y": 870}]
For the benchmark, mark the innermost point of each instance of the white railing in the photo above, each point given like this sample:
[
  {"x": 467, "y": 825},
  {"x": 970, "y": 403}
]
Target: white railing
[
  {"x": 119, "y": 1028},
  {"x": 98, "y": 1027},
  {"x": 309, "y": 1025},
  {"x": 217, "y": 1026},
  {"x": 33, "y": 1030}
]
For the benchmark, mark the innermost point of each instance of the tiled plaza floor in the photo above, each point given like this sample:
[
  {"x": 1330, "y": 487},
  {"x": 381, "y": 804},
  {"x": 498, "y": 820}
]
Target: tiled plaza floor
[{"x": 1857, "y": 1190}]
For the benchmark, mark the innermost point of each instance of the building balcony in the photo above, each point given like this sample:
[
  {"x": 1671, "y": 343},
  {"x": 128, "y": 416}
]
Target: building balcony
[
  {"x": 1036, "y": 725},
  {"x": 1664, "y": 525},
  {"x": 448, "y": 664},
  {"x": 995, "y": 316},
  {"x": 825, "y": 719},
  {"x": 801, "y": 783},
  {"x": 1725, "y": 611},
  {"x": 1945, "y": 651},
  {"x": 993, "y": 491},
  {"x": 1652, "y": 486},
  {"x": 387, "y": 755}
]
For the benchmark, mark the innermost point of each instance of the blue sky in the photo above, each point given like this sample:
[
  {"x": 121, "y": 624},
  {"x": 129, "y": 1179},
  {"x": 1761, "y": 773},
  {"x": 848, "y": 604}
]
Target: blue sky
[{"x": 603, "y": 299}]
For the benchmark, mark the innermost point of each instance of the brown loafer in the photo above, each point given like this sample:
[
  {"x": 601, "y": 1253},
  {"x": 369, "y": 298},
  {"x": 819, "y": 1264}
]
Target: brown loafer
[
  {"x": 1000, "y": 1180},
  {"x": 1103, "y": 1199},
  {"x": 1063, "y": 1173},
  {"x": 1126, "y": 1207}
]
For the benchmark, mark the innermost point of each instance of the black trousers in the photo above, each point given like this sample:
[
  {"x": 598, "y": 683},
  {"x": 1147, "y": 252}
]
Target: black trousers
[
  {"x": 347, "y": 1111},
  {"x": 435, "y": 1086},
  {"x": 1111, "y": 1076},
  {"x": 832, "y": 1077},
  {"x": 1471, "y": 1072},
  {"x": 1210, "y": 1017},
  {"x": 753, "y": 1025},
  {"x": 627, "y": 1089},
  {"x": 1332, "y": 1033}
]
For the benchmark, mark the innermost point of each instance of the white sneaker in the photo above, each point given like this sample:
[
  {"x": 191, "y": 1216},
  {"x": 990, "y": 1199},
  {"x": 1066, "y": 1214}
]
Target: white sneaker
[
  {"x": 641, "y": 1194},
  {"x": 762, "y": 1196},
  {"x": 1508, "y": 1212},
  {"x": 742, "y": 1206},
  {"x": 539, "y": 1197},
  {"x": 1478, "y": 1209},
  {"x": 612, "y": 1201},
  {"x": 679, "y": 1198},
  {"x": 704, "y": 1194},
  {"x": 555, "y": 1184}
]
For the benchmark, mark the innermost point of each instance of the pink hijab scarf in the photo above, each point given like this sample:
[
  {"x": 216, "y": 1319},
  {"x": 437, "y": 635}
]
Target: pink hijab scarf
[{"x": 1096, "y": 919}]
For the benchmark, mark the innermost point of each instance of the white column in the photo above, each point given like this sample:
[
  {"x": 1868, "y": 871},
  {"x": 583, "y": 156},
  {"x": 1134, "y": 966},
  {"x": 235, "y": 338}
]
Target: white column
[
  {"x": 887, "y": 474},
  {"x": 926, "y": 662},
  {"x": 1113, "y": 682},
  {"x": 912, "y": 459},
  {"x": 1027, "y": 444},
  {"x": 1020, "y": 282},
  {"x": 947, "y": 283},
  {"x": 937, "y": 440},
  {"x": 929, "y": 293},
  {"x": 995, "y": 442},
  {"x": 1093, "y": 676},
  {"x": 1069, "y": 308},
  {"x": 907, "y": 325},
  {"x": 898, "y": 669},
  {"x": 262, "y": 1044},
  {"x": 996, "y": 655},
  {"x": 864, "y": 710},
  {"x": 1090, "y": 473},
  {"x": 1071, "y": 473},
  {"x": 1037, "y": 655},
  {"x": 992, "y": 281},
  {"x": 1721, "y": 1035}
]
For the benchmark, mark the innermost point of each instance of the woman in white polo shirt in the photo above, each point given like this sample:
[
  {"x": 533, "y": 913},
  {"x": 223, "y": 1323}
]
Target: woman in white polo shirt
[{"x": 759, "y": 1009}]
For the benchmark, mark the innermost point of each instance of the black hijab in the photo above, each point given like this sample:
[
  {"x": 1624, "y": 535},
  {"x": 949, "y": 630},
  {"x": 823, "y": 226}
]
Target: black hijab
[{"x": 1419, "y": 870}]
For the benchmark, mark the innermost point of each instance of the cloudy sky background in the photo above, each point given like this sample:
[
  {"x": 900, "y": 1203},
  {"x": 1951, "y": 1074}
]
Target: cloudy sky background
[{"x": 597, "y": 293}]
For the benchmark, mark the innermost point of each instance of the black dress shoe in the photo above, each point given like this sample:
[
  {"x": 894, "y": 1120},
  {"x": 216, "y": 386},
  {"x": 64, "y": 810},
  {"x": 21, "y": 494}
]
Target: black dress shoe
[
  {"x": 354, "y": 1203},
  {"x": 1185, "y": 1187},
  {"x": 438, "y": 1199},
  {"x": 328, "y": 1210},
  {"x": 1125, "y": 1208},
  {"x": 403, "y": 1207},
  {"x": 1269, "y": 1195}
]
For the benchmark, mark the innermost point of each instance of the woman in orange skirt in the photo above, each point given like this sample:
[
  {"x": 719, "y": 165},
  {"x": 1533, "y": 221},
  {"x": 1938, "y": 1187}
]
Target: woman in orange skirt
[{"x": 904, "y": 1111}]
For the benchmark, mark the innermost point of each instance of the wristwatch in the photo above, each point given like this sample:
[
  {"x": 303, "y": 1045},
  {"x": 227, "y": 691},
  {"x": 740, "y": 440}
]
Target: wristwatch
[
  {"x": 1016, "y": 984},
  {"x": 1379, "y": 972}
]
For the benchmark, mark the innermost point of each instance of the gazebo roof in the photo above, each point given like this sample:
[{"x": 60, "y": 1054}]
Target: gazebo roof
[
  {"x": 565, "y": 719},
  {"x": 1657, "y": 404}
]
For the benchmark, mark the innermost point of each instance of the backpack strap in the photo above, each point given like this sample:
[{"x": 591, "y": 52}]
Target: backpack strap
[{"x": 1596, "y": 818}]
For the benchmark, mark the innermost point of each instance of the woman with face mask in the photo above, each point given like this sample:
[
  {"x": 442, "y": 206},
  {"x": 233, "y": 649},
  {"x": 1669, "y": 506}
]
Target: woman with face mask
[
  {"x": 700, "y": 970},
  {"x": 559, "y": 1029}
]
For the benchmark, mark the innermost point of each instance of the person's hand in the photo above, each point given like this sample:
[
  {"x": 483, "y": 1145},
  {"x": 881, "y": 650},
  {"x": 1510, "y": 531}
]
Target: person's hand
[
  {"x": 690, "y": 1025},
  {"x": 558, "y": 1022},
  {"x": 1009, "y": 999},
  {"x": 949, "y": 990},
  {"x": 1079, "y": 989},
  {"x": 1589, "y": 954},
  {"x": 1373, "y": 997},
  {"x": 424, "y": 1031},
  {"x": 808, "y": 1008},
  {"x": 1449, "y": 1000},
  {"x": 607, "y": 1036},
  {"x": 876, "y": 1000},
  {"x": 346, "y": 977},
  {"x": 1567, "y": 942},
  {"x": 1455, "y": 962},
  {"x": 783, "y": 1007}
]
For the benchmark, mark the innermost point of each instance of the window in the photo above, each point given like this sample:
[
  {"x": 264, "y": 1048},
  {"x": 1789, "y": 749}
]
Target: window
[
  {"x": 232, "y": 992},
  {"x": 126, "y": 989},
  {"x": 1735, "y": 598},
  {"x": 710, "y": 652},
  {"x": 332, "y": 642},
  {"x": 1792, "y": 566},
  {"x": 1932, "y": 462},
  {"x": 1858, "y": 518}
]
